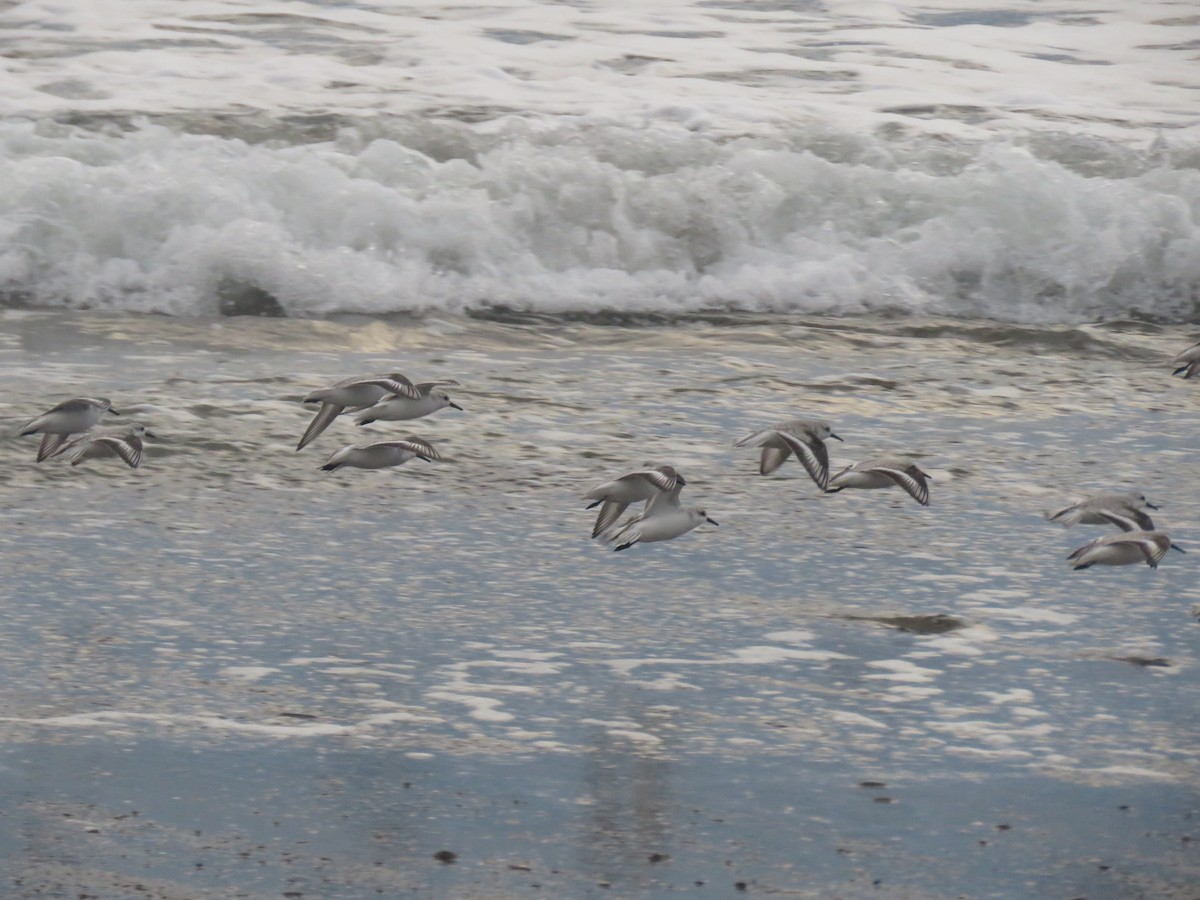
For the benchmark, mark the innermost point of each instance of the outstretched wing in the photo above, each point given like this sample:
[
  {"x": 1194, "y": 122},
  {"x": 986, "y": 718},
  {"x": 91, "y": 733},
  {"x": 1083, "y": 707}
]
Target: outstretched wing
[
  {"x": 128, "y": 448},
  {"x": 52, "y": 445},
  {"x": 1154, "y": 551},
  {"x": 413, "y": 445},
  {"x": 664, "y": 481},
  {"x": 610, "y": 511},
  {"x": 396, "y": 384},
  {"x": 814, "y": 457},
  {"x": 1127, "y": 518},
  {"x": 325, "y": 415},
  {"x": 910, "y": 478},
  {"x": 424, "y": 387}
]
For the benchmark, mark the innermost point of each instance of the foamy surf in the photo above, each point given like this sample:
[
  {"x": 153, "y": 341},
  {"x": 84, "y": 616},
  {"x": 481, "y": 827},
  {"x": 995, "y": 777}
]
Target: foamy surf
[{"x": 588, "y": 220}]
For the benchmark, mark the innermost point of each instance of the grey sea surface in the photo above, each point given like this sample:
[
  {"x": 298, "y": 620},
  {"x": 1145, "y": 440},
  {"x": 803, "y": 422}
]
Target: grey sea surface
[{"x": 229, "y": 674}]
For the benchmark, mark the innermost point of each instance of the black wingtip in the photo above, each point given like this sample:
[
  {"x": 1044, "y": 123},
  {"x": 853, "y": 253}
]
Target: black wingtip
[
  {"x": 329, "y": 467},
  {"x": 594, "y": 505},
  {"x": 364, "y": 421},
  {"x": 623, "y": 547}
]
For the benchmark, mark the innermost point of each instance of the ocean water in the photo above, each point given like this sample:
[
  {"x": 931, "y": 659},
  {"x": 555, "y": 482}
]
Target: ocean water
[
  {"x": 634, "y": 234},
  {"x": 1028, "y": 163}
]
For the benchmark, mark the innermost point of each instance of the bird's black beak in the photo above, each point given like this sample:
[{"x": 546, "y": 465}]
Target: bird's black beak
[
  {"x": 113, "y": 411},
  {"x": 1152, "y": 505},
  {"x": 455, "y": 406},
  {"x": 835, "y": 437},
  {"x": 150, "y": 434},
  {"x": 1177, "y": 547},
  {"x": 679, "y": 480},
  {"x": 711, "y": 521}
]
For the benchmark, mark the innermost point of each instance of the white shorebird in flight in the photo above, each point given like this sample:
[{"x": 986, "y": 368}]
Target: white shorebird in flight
[
  {"x": 803, "y": 437},
  {"x": 429, "y": 399},
  {"x": 614, "y": 497},
  {"x": 126, "y": 445},
  {"x": 381, "y": 454},
  {"x": 1124, "y": 549},
  {"x": 69, "y": 417},
  {"x": 883, "y": 472},
  {"x": 352, "y": 394}
]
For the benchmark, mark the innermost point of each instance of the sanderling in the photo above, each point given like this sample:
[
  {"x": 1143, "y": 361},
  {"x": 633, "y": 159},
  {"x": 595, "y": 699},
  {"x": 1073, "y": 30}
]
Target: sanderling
[
  {"x": 662, "y": 520},
  {"x": 382, "y": 454},
  {"x": 1124, "y": 549},
  {"x": 616, "y": 495},
  {"x": 1123, "y": 510},
  {"x": 354, "y": 394},
  {"x": 69, "y": 417},
  {"x": 1187, "y": 362},
  {"x": 126, "y": 444},
  {"x": 804, "y": 437},
  {"x": 402, "y": 406},
  {"x": 884, "y": 472}
]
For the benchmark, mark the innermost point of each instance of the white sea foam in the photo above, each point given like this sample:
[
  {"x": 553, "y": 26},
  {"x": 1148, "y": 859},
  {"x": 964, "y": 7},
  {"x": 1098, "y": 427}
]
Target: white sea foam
[{"x": 601, "y": 158}]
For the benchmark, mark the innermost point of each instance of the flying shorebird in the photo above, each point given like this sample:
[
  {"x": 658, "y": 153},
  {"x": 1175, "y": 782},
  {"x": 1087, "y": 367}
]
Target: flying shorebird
[
  {"x": 803, "y": 437},
  {"x": 1124, "y": 549},
  {"x": 1123, "y": 510},
  {"x": 662, "y": 520},
  {"x": 352, "y": 394},
  {"x": 428, "y": 399},
  {"x": 69, "y": 417},
  {"x": 126, "y": 444},
  {"x": 883, "y": 472},
  {"x": 616, "y": 495},
  {"x": 382, "y": 454}
]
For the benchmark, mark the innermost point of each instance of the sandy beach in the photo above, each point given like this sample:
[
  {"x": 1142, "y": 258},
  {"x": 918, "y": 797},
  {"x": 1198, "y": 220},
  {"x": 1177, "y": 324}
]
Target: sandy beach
[{"x": 231, "y": 674}]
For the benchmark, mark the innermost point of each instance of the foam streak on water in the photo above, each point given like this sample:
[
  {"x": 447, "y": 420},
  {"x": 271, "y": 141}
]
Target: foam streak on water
[{"x": 1025, "y": 164}]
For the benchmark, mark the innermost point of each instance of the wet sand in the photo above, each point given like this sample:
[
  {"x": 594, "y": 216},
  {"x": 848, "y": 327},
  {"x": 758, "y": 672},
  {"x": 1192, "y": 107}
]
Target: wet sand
[{"x": 230, "y": 674}]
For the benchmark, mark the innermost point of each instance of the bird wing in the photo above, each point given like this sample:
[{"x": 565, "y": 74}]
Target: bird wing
[
  {"x": 326, "y": 414},
  {"x": 424, "y": 387},
  {"x": 910, "y": 478},
  {"x": 128, "y": 448},
  {"x": 659, "y": 479},
  {"x": 52, "y": 445},
  {"x": 610, "y": 511},
  {"x": 413, "y": 445},
  {"x": 1154, "y": 551},
  {"x": 814, "y": 457},
  {"x": 1127, "y": 518},
  {"x": 662, "y": 502},
  {"x": 772, "y": 458}
]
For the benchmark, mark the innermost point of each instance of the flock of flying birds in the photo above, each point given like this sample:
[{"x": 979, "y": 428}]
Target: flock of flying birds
[{"x": 67, "y": 432}]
